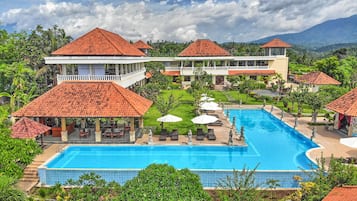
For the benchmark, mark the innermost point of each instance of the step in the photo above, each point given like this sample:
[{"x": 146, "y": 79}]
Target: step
[{"x": 29, "y": 180}]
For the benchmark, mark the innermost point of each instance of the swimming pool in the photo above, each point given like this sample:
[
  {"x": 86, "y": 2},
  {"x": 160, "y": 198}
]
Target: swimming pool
[{"x": 277, "y": 149}]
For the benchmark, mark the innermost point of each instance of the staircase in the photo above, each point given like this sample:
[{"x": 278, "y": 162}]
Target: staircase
[{"x": 30, "y": 172}]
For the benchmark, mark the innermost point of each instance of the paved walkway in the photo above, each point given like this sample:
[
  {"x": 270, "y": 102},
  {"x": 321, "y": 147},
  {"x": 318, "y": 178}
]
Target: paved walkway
[{"x": 328, "y": 140}]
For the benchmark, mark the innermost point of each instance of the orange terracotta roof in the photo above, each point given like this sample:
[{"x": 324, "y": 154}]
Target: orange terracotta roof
[
  {"x": 317, "y": 78},
  {"x": 86, "y": 99},
  {"x": 346, "y": 104},
  {"x": 171, "y": 73},
  {"x": 345, "y": 193},
  {"x": 141, "y": 45},
  {"x": 276, "y": 42},
  {"x": 251, "y": 72},
  {"x": 148, "y": 75},
  {"x": 27, "y": 128},
  {"x": 203, "y": 48},
  {"x": 99, "y": 42}
]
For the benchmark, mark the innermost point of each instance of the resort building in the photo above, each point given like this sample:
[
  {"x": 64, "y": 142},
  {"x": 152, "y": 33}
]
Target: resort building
[
  {"x": 142, "y": 46},
  {"x": 205, "y": 55},
  {"x": 316, "y": 79},
  {"x": 100, "y": 55},
  {"x": 346, "y": 113}
]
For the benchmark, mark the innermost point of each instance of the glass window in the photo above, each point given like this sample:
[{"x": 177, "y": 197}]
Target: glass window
[
  {"x": 250, "y": 63},
  {"x": 187, "y": 78},
  {"x": 241, "y": 63}
]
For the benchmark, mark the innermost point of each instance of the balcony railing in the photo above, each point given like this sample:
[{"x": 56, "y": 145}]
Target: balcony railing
[
  {"x": 125, "y": 80},
  {"x": 61, "y": 78}
]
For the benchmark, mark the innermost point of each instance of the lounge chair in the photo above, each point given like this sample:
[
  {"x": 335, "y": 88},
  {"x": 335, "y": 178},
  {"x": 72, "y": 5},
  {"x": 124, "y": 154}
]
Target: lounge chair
[
  {"x": 216, "y": 123},
  {"x": 200, "y": 134},
  {"x": 211, "y": 135},
  {"x": 163, "y": 135},
  {"x": 174, "y": 135}
]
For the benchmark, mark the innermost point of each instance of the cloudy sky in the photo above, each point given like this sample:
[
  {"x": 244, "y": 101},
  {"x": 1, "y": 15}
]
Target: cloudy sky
[{"x": 175, "y": 20}]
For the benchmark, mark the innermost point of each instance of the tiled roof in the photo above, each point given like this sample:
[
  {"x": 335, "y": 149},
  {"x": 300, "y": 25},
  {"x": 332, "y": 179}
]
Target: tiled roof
[
  {"x": 141, "y": 45},
  {"x": 86, "y": 99},
  {"x": 346, "y": 104},
  {"x": 276, "y": 42},
  {"x": 203, "y": 48},
  {"x": 317, "y": 78},
  {"x": 99, "y": 42},
  {"x": 251, "y": 72},
  {"x": 171, "y": 73},
  {"x": 148, "y": 75},
  {"x": 27, "y": 128},
  {"x": 345, "y": 193}
]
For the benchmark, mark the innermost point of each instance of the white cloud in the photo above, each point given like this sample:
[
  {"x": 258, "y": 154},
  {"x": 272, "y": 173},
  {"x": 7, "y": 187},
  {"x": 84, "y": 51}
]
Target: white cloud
[{"x": 241, "y": 20}]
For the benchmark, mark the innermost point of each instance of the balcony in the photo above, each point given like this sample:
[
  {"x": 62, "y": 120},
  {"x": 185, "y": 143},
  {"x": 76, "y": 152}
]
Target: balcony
[
  {"x": 218, "y": 70},
  {"x": 124, "y": 80}
]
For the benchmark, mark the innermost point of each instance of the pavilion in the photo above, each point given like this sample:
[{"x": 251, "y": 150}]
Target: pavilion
[
  {"x": 346, "y": 112},
  {"x": 87, "y": 99},
  {"x": 316, "y": 79}
]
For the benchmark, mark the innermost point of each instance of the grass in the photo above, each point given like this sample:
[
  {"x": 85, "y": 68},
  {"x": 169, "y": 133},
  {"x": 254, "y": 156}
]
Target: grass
[{"x": 185, "y": 110}]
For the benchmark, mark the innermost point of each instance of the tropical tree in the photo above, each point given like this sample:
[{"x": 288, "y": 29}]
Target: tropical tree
[
  {"x": 328, "y": 65},
  {"x": 165, "y": 105},
  {"x": 240, "y": 186},
  {"x": 316, "y": 102},
  {"x": 8, "y": 192},
  {"x": 90, "y": 187},
  {"x": 331, "y": 92},
  {"x": 299, "y": 96},
  {"x": 201, "y": 85},
  {"x": 164, "y": 182}
]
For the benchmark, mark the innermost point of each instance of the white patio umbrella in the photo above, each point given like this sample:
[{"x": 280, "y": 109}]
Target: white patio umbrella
[
  {"x": 168, "y": 118},
  {"x": 204, "y": 119},
  {"x": 351, "y": 142},
  {"x": 210, "y": 106},
  {"x": 206, "y": 99}
]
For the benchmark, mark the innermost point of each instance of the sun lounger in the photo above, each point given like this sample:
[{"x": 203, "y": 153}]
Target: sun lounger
[
  {"x": 216, "y": 123},
  {"x": 211, "y": 135},
  {"x": 163, "y": 135},
  {"x": 200, "y": 134},
  {"x": 174, "y": 135}
]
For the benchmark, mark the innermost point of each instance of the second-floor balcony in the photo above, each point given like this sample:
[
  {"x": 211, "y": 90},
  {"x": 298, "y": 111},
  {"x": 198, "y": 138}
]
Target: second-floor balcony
[
  {"x": 125, "y": 80},
  {"x": 218, "y": 70}
]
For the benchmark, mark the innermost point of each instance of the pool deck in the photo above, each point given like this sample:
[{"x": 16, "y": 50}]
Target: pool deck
[{"x": 328, "y": 140}]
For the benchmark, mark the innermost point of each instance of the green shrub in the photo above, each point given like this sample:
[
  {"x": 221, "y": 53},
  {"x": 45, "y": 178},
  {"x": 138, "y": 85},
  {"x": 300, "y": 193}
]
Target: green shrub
[{"x": 164, "y": 182}]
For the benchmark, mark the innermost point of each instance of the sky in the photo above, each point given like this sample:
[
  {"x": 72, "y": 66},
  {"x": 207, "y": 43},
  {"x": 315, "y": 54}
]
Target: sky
[{"x": 175, "y": 20}]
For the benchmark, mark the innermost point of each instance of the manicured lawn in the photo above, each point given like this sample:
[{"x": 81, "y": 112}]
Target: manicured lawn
[{"x": 185, "y": 110}]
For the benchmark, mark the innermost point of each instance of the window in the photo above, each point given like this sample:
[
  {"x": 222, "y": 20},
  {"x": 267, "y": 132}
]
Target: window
[
  {"x": 241, "y": 63},
  {"x": 250, "y": 63},
  {"x": 187, "y": 78},
  {"x": 110, "y": 69},
  {"x": 262, "y": 63}
]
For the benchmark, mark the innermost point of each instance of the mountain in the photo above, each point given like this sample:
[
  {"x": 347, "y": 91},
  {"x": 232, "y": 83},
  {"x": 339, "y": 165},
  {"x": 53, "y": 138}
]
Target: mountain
[{"x": 342, "y": 30}]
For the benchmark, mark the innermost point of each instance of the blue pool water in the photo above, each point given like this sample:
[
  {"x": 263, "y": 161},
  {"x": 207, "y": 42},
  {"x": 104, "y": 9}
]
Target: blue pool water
[{"x": 272, "y": 147}]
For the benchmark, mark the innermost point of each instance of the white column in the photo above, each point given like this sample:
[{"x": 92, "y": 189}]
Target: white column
[
  {"x": 64, "y": 132},
  {"x": 98, "y": 133},
  {"x": 116, "y": 69},
  {"x": 132, "y": 130},
  {"x": 64, "y": 69},
  {"x": 336, "y": 121}
]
